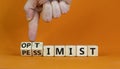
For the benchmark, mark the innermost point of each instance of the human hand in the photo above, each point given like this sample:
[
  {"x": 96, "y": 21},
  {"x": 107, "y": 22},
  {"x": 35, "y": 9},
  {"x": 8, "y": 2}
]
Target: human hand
[{"x": 47, "y": 8}]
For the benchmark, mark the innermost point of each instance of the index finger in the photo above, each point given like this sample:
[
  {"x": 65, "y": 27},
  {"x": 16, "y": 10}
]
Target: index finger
[{"x": 33, "y": 27}]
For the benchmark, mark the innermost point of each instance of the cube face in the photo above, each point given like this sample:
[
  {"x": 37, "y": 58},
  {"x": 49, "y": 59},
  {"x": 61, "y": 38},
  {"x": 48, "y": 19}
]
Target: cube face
[
  {"x": 92, "y": 50},
  {"x": 26, "y": 48},
  {"x": 48, "y": 50},
  {"x": 37, "y": 48},
  {"x": 59, "y": 50},
  {"x": 81, "y": 50},
  {"x": 70, "y": 50}
]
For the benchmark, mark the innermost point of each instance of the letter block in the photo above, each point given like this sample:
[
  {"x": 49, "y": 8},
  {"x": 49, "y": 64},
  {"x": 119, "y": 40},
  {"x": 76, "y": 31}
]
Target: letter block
[
  {"x": 26, "y": 48},
  {"x": 92, "y": 50},
  {"x": 59, "y": 50},
  {"x": 70, "y": 50},
  {"x": 48, "y": 50},
  {"x": 81, "y": 50},
  {"x": 37, "y": 48}
]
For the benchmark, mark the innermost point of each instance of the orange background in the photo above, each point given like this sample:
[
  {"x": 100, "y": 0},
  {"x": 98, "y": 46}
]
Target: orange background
[{"x": 88, "y": 22}]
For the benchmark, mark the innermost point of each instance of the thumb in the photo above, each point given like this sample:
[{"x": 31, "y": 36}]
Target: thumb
[
  {"x": 33, "y": 26},
  {"x": 29, "y": 8}
]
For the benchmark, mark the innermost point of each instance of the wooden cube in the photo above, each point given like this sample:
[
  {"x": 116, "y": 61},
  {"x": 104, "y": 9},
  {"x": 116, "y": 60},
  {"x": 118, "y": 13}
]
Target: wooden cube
[
  {"x": 37, "y": 48},
  {"x": 59, "y": 50},
  {"x": 70, "y": 50},
  {"x": 81, "y": 50},
  {"x": 26, "y": 48},
  {"x": 92, "y": 50},
  {"x": 48, "y": 50}
]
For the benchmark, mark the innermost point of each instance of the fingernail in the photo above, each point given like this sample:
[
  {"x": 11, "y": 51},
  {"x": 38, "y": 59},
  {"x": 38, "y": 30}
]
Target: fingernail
[
  {"x": 30, "y": 14},
  {"x": 29, "y": 19}
]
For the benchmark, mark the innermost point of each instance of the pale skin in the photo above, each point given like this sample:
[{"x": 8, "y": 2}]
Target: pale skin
[{"x": 48, "y": 9}]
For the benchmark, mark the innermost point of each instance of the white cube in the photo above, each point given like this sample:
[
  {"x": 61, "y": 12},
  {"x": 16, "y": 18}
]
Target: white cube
[
  {"x": 92, "y": 50},
  {"x": 70, "y": 50},
  {"x": 59, "y": 50},
  {"x": 81, "y": 50},
  {"x": 26, "y": 48},
  {"x": 37, "y": 48},
  {"x": 48, "y": 50}
]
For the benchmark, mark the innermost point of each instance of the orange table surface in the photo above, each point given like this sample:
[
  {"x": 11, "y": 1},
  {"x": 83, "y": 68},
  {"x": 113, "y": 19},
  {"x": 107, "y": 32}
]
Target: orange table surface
[{"x": 88, "y": 22}]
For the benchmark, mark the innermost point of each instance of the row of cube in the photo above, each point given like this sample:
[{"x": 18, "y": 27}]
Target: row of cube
[{"x": 38, "y": 49}]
